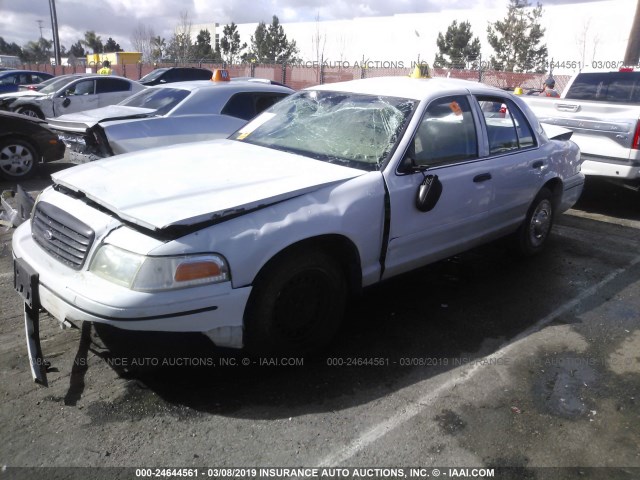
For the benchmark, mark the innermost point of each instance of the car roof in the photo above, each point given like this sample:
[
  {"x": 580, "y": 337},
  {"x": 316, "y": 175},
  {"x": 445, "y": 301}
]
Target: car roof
[
  {"x": 8, "y": 72},
  {"x": 405, "y": 87},
  {"x": 193, "y": 85}
]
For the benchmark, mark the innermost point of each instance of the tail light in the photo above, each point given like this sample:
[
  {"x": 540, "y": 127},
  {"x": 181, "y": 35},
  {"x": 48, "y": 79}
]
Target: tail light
[{"x": 636, "y": 137}]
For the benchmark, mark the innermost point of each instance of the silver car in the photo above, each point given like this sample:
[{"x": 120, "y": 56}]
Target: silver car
[
  {"x": 165, "y": 115},
  {"x": 83, "y": 93}
]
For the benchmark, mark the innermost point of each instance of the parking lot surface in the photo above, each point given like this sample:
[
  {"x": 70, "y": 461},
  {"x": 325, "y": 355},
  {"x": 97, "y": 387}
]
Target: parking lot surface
[{"x": 483, "y": 360}]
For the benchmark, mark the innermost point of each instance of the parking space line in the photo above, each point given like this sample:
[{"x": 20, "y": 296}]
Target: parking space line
[
  {"x": 605, "y": 219},
  {"x": 465, "y": 374}
]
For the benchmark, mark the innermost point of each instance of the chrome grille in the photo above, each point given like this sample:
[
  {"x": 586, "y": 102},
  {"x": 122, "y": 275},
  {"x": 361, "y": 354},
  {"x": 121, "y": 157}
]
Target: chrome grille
[{"x": 61, "y": 235}]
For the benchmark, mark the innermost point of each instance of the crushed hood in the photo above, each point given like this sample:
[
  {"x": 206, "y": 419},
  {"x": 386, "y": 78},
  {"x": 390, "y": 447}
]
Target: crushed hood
[
  {"x": 81, "y": 121},
  {"x": 199, "y": 182},
  {"x": 21, "y": 94}
]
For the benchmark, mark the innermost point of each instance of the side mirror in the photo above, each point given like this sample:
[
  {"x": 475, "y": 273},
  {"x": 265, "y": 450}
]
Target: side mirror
[
  {"x": 66, "y": 102},
  {"x": 428, "y": 194}
]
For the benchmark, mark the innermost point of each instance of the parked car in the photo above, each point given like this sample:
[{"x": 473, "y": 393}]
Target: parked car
[
  {"x": 257, "y": 240},
  {"x": 603, "y": 111},
  {"x": 165, "y": 115},
  {"x": 175, "y": 74},
  {"x": 24, "y": 143},
  {"x": 11, "y": 80},
  {"x": 48, "y": 86},
  {"x": 83, "y": 93}
]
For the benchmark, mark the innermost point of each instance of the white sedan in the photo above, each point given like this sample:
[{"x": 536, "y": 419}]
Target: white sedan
[
  {"x": 165, "y": 115},
  {"x": 82, "y": 93},
  {"x": 257, "y": 240}
]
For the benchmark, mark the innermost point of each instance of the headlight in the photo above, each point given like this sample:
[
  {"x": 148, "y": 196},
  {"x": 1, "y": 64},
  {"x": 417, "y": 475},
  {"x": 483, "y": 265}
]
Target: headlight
[{"x": 147, "y": 274}]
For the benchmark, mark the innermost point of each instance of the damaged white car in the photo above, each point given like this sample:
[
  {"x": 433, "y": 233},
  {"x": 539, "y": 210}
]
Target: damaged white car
[
  {"x": 165, "y": 115},
  {"x": 257, "y": 240}
]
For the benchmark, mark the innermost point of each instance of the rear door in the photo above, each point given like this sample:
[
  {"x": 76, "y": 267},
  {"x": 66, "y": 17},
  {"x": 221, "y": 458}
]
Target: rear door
[
  {"x": 518, "y": 163},
  {"x": 112, "y": 90}
]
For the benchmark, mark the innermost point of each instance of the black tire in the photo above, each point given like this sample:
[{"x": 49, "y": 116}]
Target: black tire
[
  {"x": 18, "y": 159},
  {"x": 296, "y": 305},
  {"x": 30, "y": 112},
  {"x": 532, "y": 235}
]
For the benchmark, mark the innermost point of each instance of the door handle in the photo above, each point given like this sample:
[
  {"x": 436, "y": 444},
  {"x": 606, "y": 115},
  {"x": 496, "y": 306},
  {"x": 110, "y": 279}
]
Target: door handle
[
  {"x": 483, "y": 177},
  {"x": 537, "y": 164}
]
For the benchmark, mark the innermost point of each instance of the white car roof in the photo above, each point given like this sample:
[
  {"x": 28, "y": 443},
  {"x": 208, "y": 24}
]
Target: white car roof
[
  {"x": 405, "y": 87},
  {"x": 243, "y": 86}
]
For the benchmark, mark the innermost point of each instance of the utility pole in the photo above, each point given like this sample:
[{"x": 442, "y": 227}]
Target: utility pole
[
  {"x": 40, "y": 27},
  {"x": 54, "y": 28},
  {"x": 632, "y": 56}
]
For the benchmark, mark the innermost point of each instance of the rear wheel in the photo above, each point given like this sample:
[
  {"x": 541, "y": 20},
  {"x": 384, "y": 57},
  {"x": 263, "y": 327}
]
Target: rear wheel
[
  {"x": 532, "y": 235},
  {"x": 18, "y": 159},
  {"x": 30, "y": 112},
  {"x": 296, "y": 305}
]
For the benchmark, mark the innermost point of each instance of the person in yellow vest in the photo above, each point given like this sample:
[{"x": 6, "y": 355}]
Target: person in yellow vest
[{"x": 106, "y": 68}]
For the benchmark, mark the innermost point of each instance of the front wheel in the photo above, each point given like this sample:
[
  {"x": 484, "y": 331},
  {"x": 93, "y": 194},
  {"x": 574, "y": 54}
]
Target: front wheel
[
  {"x": 296, "y": 305},
  {"x": 30, "y": 112},
  {"x": 532, "y": 235},
  {"x": 18, "y": 159}
]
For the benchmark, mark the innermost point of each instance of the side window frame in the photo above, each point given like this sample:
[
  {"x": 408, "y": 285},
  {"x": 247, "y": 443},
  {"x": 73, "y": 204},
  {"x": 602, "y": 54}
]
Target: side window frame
[
  {"x": 511, "y": 107},
  {"x": 112, "y": 81},
  {"x": 403, "y": 168}
]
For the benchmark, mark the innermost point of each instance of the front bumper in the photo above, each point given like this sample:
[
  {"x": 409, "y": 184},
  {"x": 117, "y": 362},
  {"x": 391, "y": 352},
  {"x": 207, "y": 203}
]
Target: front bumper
[{"x": 77, "y": 296}]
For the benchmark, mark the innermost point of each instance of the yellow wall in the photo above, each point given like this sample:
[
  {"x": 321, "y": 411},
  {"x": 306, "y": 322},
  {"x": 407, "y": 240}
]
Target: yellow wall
[{"x": 115, "y": 58}]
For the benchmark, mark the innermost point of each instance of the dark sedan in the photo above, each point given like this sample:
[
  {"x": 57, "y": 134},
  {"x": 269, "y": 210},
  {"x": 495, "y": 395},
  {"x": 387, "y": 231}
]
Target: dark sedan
[{"x": 24, "y": 143}]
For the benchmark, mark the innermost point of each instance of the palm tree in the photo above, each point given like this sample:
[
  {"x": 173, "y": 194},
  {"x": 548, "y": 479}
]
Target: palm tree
[{"x": 93, "y": 42}]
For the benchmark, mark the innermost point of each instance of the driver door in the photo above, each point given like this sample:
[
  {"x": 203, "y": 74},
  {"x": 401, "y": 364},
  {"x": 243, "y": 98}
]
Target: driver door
[
  {"x": 79, "y": 96},
  {"x": 445, "y": 147}
]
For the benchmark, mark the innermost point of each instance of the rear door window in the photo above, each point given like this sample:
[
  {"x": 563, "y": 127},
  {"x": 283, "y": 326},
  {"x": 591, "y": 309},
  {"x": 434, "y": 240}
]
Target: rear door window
[
  {"x": 107, "y": 85},
  {"x": 247, "y": 105},
  {"x": 507, "y": 127}
]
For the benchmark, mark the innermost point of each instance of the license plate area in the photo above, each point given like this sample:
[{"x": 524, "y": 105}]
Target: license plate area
[{"x": 25, "y": 282}]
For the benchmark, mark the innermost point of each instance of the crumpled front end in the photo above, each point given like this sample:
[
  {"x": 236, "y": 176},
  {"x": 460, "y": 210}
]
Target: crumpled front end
[{"x": 86, "y": 146}]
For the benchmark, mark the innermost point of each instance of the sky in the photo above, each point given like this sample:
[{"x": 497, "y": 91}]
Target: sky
[{"x": 605, "y": 24}]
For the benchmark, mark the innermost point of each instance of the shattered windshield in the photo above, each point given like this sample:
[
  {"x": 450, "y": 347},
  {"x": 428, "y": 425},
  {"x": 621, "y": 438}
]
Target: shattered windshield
[{"x": 356, "y": 130}]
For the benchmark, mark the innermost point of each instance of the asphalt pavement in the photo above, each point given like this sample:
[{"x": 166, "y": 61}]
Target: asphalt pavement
[{"x": 485, "y": 360}]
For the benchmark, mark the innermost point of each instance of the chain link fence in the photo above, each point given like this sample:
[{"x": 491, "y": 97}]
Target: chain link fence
[{"x": 302, "y": 76}]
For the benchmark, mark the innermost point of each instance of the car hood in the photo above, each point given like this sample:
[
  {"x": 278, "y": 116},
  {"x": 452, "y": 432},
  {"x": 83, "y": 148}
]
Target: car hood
[
  {"x": 22, "y": 93},
  {"x": 198, "y": 183},
  {"x": 80, "y": 121}
]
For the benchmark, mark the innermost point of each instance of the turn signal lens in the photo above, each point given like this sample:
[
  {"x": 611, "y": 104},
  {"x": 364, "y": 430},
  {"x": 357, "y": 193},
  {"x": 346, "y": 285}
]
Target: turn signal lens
[{"x": 196, "y": 270}]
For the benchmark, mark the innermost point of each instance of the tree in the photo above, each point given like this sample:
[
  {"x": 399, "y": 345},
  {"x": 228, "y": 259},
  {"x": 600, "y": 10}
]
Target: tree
[
  {"x": 456, "y": 47},
  {"x": 9, "y": 48},
  {"x": 158, "y": 47},
  {"x": 39, "y": 51},
  {"x": 202, "y": 49},
  {"x": 230, "y": 45},
  {"x": 270, "y": 44},
  {"x": 516, "y": 39},
  {"x": 142, "y": 40},
  {"x": 112, "y": 46},
  {"x": 180, "y": 48},
  {"x": 77, "y": 50},
  {"x": 93, "y": 42}
]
